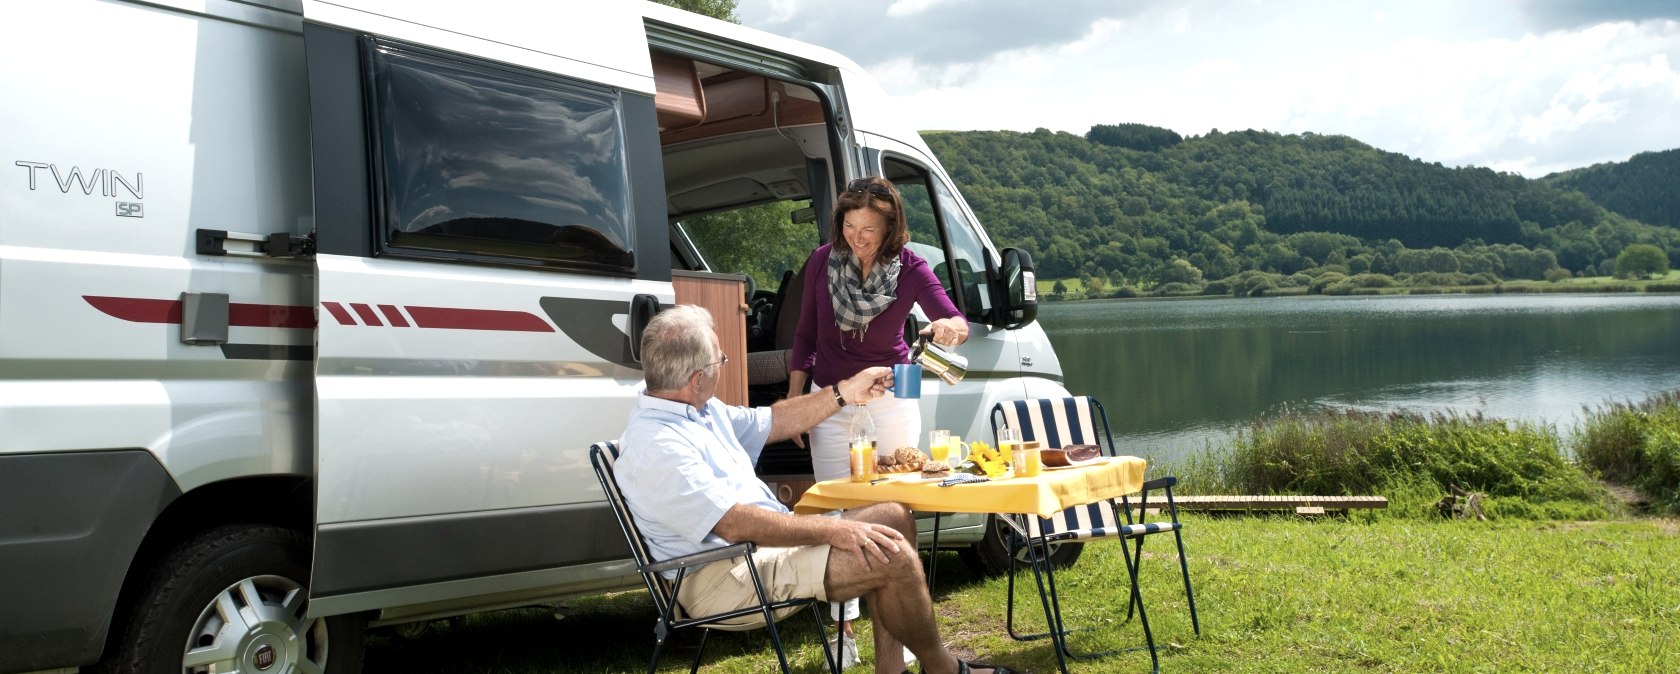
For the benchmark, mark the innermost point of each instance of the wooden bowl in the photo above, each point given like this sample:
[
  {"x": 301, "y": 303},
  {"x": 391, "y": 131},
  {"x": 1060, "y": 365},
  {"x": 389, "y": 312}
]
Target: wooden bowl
[{"x": 1069, "y": 455}]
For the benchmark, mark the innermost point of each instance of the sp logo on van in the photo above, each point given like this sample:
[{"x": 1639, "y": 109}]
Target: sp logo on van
[{"x": 107, "y": 182}]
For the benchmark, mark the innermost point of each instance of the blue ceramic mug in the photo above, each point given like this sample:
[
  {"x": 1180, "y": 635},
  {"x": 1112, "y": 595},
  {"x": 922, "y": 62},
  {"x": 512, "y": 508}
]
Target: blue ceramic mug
[{"x": 907, "y": 380}]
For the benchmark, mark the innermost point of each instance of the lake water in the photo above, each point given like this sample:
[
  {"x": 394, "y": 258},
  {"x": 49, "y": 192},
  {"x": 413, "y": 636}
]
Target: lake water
[{"x": 1175, "y": 375}]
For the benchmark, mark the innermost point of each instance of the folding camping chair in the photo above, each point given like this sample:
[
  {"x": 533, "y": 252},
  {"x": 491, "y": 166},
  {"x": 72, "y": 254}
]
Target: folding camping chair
[
  {"x": 1060, "y": 422},
  {"x": 664, "y": 591}
]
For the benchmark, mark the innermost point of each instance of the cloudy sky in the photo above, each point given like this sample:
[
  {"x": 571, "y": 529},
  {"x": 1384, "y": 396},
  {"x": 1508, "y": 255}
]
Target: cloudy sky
[{"x": 1526, "y": 86}]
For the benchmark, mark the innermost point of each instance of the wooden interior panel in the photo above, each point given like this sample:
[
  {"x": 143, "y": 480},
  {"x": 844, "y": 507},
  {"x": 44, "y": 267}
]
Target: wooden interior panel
[
  {"x": 678, "y": 99},
  {"x": 735, "y": 94},
  {"x": 723, "y": 296},
  {"x": 790, "y": 112}
]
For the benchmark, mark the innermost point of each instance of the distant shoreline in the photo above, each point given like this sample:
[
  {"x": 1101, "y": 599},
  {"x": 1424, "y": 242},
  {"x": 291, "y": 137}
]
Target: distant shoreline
[{"x": 1603, "y": 285}]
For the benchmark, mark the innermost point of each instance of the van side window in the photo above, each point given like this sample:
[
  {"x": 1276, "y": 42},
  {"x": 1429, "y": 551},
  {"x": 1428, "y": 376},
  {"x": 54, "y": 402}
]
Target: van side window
[
  {"x": 938, "y": 225},
  {"x": 479, "y": 161}
]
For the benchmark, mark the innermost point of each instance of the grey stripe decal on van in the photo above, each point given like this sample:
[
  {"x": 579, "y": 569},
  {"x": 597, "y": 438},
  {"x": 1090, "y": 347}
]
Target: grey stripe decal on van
[
  {"x": 589, "y": 323},
  {"x": 268, "y": 352}
]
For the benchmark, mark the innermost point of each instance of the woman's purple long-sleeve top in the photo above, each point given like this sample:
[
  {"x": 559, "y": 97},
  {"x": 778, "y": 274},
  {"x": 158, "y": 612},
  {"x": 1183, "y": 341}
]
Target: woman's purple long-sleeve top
[{"x": 829, "y": 355}]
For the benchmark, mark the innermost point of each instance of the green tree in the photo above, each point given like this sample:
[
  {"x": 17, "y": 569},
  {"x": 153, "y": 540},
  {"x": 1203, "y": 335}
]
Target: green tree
[
  {"x": 1094, "y": 286},
  {"x": 1179, "y": 270},
  {"x": 760, "y": 241},
  {"x": 717, "y": 9},
  {"x": 1641, "y": 260}
]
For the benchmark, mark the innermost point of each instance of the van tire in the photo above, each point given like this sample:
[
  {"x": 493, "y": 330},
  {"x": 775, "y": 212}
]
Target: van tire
[
  {"x": 990, "y": 555},
  {"x": 223, "y": 566}
]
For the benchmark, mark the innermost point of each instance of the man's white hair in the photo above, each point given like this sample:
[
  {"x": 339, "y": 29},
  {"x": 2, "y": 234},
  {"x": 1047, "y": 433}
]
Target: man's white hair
[{"x": 676, "y": 343}]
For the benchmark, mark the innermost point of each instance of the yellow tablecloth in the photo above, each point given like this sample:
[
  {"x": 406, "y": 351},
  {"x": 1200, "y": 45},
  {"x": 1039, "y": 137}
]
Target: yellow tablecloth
[{"x": 1043, "y": 495}]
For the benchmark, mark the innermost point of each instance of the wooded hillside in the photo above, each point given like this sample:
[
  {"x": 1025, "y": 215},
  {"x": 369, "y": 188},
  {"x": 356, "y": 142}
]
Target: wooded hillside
[
  {"x": 1141, "y": 205},
  {"x": 1645, "y": 187}
]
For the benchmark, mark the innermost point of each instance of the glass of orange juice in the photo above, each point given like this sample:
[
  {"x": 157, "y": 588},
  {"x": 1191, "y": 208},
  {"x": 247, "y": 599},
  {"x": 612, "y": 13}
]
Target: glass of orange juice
[
  {"x": 939, "y": 445},
  {"x": 862, "y": 458}
]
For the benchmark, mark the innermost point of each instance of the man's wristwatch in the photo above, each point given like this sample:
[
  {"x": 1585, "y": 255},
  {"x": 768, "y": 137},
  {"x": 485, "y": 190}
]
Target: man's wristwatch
[{"x": 839, "y": 399}]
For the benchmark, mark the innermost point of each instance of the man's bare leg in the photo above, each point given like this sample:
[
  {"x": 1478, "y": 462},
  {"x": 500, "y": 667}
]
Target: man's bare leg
[{"x": 897, "y": 595}]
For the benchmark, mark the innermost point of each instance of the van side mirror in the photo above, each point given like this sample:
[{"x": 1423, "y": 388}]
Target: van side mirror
[{"x": 1018, "y": 284}]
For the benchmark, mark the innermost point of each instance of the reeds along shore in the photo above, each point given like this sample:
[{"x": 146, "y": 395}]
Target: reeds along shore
[{"x": 1524, "y": 470}]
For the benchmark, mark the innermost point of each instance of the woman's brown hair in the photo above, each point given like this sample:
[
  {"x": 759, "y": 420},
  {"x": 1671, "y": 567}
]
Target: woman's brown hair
[{"x": 879, "y": 195}]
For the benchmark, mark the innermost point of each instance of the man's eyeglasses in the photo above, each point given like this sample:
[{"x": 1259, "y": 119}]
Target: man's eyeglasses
[
  {"x": 872, "y": 187},
  {"x": 721, "y": 361}
]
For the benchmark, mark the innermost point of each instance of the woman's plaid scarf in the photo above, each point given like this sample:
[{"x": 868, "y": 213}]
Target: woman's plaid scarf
[{"x": 857, "y": 302}]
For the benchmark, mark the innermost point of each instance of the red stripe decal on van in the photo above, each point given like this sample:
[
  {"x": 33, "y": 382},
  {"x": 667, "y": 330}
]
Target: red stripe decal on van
[
  {"x": 338, "y": 312},
  {"x": 140, "y": 310},
  {"x": 478, "y": 319},
  {"x": 366, "y": 312},
  {"x": 393, "y": 315},
  {"x": 143, "y": 310}
]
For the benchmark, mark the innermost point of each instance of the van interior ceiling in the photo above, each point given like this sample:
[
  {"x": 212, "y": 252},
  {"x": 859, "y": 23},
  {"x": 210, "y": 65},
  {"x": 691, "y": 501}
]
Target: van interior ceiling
[{"x": 733, "y": 138}]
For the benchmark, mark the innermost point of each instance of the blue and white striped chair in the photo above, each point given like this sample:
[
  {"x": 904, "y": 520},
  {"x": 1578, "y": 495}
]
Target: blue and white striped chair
[
  {"x": 602, "y": 455},
  {"x": 1060, "y": 422}
]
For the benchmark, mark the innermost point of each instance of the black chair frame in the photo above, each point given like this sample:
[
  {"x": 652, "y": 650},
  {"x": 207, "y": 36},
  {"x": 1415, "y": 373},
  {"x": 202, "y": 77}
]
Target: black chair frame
[{"x": 665, "y": 591}]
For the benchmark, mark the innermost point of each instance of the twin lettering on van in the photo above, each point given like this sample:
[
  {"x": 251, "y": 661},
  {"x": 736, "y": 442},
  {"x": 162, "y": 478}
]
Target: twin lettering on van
[{"x": 106, "y": 181}]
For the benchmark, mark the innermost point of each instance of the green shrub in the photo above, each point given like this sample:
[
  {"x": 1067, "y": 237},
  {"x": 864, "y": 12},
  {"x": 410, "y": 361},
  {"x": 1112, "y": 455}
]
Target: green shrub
[
  {"x": 1174, "y": 288},
  {"x": 1662, "y": 287},
  {"x": 1637, "y": 444},
  {"x": 1372, "y": 281},
  {"x": 1255, "y": 286},
  {"x": 1325, "y": 280},
  {"x": 1518, "y": 466}
]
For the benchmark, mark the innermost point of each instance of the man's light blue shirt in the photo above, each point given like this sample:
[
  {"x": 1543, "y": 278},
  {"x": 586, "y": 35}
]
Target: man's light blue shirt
[{"x": 681, "y": 469}]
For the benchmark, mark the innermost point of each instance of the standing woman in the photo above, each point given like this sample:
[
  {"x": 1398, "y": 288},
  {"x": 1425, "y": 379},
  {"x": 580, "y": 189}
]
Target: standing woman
[{"x": 859, "y": 289}]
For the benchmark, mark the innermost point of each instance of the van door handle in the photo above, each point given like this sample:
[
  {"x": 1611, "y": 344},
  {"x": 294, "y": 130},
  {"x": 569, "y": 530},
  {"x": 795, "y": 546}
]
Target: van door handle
[
  {"x": 642, "y": 310},
  {"x": 279, "y": 244}
]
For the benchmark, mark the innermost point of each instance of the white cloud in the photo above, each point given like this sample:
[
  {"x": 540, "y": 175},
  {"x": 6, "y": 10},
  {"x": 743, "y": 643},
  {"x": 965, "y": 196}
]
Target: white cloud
[
  {"x": 903, "y": 8},
  {"x": 1440, "y": 80}
]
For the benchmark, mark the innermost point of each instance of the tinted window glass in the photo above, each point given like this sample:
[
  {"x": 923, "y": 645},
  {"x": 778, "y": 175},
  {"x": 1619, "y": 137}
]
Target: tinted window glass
[
  {"x": 966, "y": 251},
  {"x": 928, "y": 212},
  {"x": 480, "y": 161}
]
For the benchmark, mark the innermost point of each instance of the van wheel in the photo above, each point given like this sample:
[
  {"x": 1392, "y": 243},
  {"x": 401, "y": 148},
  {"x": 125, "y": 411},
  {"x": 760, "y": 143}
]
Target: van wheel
[
  {"x": 233, "y": 600},
  {"x": 990, "y": 555}
]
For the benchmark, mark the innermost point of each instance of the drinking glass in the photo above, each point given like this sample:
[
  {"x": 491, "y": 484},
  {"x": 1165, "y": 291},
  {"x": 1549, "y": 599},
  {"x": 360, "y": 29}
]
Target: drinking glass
[
  {"x": 862, "y": 458},
  {"x": 1009, "y": 442},
  {"x": 939, "y": 445}
]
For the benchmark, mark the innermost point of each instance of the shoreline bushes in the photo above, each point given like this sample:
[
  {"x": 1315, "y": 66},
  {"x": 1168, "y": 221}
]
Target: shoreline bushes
[
  {"x": 1411, "y": 458},
  {"x": 1637, "y": 444}
]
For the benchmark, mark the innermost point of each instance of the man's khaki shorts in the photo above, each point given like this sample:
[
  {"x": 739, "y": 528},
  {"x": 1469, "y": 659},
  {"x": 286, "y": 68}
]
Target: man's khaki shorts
[{"x": 727, "y": 585}]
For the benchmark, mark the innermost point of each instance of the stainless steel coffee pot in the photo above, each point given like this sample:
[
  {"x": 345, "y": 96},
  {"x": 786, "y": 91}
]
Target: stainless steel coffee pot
[{"x": 939, "y": 360}]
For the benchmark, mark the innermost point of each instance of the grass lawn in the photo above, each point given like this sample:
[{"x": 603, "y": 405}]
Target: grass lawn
[{"x": 1276, "y": 594}]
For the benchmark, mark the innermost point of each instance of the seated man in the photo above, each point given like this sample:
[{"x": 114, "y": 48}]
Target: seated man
[{"x": 686, "y": 471}]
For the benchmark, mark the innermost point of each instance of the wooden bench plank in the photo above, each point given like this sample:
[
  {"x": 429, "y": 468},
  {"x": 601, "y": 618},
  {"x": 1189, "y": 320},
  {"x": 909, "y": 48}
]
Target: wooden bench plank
[{"x": 1272, "y": 502}]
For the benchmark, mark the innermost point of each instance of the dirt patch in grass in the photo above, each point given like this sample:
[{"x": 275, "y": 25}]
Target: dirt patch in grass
[{"x": 1627, "y": 496}]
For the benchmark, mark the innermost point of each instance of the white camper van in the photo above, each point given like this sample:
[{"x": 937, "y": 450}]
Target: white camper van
[{"x": 309, "y": 309}]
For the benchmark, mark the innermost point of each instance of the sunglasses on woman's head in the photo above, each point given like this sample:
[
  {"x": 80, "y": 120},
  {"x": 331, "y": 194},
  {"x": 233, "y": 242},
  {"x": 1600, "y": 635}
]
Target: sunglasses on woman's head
[{"x": 872, "y": 187}]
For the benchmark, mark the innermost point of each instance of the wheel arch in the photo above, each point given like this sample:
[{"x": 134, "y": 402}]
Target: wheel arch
[{"x": 280, "y": 500}]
